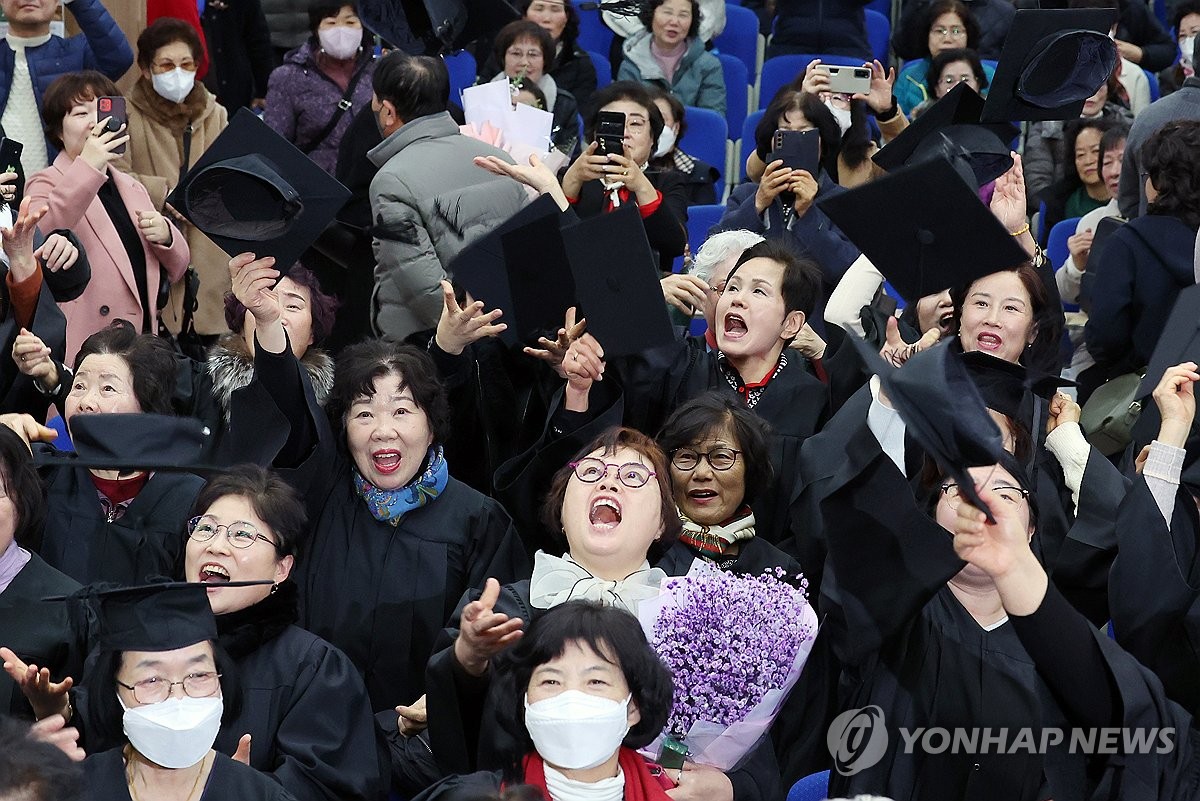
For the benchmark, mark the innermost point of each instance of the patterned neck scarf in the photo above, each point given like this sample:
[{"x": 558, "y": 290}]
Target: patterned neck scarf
[
  {"x": 390, "y": 506},
  {"x": 750, "y": 392},
  {"x": 713, "y": 542}
]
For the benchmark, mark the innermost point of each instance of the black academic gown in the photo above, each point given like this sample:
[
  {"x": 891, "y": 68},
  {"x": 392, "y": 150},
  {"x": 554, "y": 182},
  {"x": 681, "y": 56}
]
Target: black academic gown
[
  {"x": 148, "y": 540},
  {"x": 908, "y": 646},
  {"x": 1154, "y": 591},
  {"x": 304, "y": 704},
  {"x": 228, "y": 780},
  {"x": 465, "y": 736},
  {"x": 380, "y": 593},
  {"x": 38, "y": 632}
]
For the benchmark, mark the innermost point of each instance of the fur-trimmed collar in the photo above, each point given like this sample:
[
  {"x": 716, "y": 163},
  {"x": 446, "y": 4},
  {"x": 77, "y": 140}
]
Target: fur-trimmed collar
[
  {"x": 231, "y": 367},
  {"x": 195, "y": 107}
]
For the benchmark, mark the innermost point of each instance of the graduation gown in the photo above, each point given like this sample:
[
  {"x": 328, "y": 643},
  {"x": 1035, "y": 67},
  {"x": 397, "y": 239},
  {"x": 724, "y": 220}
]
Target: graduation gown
[
  {"x": 909, "y": 647},
  {"x": 38, "y": 632},
  {"x": 228, "y": 780},
  {"x": 1154, "y": 591},
  {"x": 148, "y": 540},
  {"x": 304, "y": 704},
  {"x": 380, "y": 593}
]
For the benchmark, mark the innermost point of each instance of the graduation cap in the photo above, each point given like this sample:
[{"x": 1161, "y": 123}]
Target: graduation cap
[
  {"x": 139, "y": 440},
  {"x": 950, "y": 129},
  {"x": 1053, "y": 60},
  {"x": 521, "y": 267},
  {"x": 1006, "y": 386},
  {"x": 943, "y": 410},
  {"x": 451, "y": 23},
  {"x": 925, "y": 229},
  {"x": 617, "y": 282},
  {"x": 252, "y": 190}
]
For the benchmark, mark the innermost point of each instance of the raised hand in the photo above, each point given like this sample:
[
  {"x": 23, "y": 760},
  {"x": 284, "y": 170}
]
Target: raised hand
[
  {"x": 18, "y": 240},
  {"x": 588, "y": 167},
  {"x": 45, "y": 696},
  {"x": 1175, "y": 397},
  {"x": 804, "y": 187},
  {"x": 254, "y": 283},
  {"x": 57, "y": 253},
  {"x": 99, "y": 149},
  {"x": 483, "y": 633},
  {"x": 553, "y": 352},
  {"x": 1080, "y": 247},
  {"x": 1062, "y": 410},
  {"x": 685, "y": 292},
  {"x": 776, "y": 178},
  {"x": 32, "y": 357},
  {"x": 459, "y": 326},
  {"x": 896, "y": 351},
  {"x": 1001, "y": 550},
  {"x": 879, "y": 98},
  {"x": 1008, "y": 203}
]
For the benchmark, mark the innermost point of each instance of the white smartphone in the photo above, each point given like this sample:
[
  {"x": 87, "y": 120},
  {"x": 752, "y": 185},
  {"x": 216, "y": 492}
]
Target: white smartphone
[{"x": 847, "y": 80}]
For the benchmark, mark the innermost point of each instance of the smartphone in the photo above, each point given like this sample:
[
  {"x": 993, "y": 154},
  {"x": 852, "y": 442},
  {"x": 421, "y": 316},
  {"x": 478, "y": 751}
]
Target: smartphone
[
  {"x": 847, "y": 80},
  {"x": 799, "y": 150},
  {"x": 10, "y": 155},
  {"x": 610, "y": 133},
  {"x": 113, "y": 107}
]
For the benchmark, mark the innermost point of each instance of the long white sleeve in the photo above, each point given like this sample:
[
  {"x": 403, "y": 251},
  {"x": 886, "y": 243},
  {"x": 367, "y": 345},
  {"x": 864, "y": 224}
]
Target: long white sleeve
[{"x": 857, "y": 288}]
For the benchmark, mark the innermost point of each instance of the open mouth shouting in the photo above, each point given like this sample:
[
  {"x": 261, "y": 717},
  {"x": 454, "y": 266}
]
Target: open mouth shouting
[
  {"x": 987, "y": 341},
  {"x": 605, "y": 513},
  {"x": 386, "y": 461},
  {"x": 213, "y": 573},
  {"x": 735, "y": 326}
]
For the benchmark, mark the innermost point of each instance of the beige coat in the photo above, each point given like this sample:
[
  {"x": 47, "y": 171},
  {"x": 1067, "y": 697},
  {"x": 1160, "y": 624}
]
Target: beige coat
[{"x": 154, "y": 155}]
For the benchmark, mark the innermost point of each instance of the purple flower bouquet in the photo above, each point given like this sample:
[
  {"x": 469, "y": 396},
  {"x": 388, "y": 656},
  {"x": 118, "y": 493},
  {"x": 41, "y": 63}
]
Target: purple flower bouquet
[{"x": 735, "y": 645}]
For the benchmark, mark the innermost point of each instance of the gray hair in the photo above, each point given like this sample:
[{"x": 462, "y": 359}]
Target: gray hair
[{"x": 718, "y": 248}]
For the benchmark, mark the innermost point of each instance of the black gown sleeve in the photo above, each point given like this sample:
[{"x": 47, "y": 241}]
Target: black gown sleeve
[
  {"x": 1159, "y": 626},
  {"x": 281, "y": 374},
  {"x": 666, "y": 228}
]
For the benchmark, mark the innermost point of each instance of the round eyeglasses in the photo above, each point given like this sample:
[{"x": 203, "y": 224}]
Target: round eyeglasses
[
  {"x": 156, "y": 689},
  {"x": 589, "y": 470},
  {"x": 717, "y": 458},
  {"x": 1010, "y": 495},
  {"x": 239, "y": 533}
]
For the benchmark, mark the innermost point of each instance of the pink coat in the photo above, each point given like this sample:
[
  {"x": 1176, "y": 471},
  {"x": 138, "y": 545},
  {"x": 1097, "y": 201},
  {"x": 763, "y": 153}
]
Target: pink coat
[{"x": 70, "y": 188}]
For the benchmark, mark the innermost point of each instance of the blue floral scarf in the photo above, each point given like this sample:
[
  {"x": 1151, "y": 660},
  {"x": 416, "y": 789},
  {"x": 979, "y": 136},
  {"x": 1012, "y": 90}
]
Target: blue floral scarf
[{"x": 390, "y": 506}]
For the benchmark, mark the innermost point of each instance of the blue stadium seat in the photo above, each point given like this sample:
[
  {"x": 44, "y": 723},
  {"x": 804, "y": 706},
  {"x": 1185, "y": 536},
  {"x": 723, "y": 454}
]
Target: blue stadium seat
[
  {"x": 779, "y": 71},
  {"x": 1056, "y": 247},
  {"x": 1155, "y": 90},
  {"x": 884, "y": 7},
  {"x": 879, "y": 33},
  {"x": 594, "y": 35},
  {"x": 705, "y": 139},
  {"x": 603, "y": 69},
  {"x": 737, "y": 92},
  {"x": 814, "y": 787},
  {"x": 461, "y": 67},
  {"x": 747, "y": 142},
  {"x": 740, "y": 37},
  {"x": 700, "y": 219}
]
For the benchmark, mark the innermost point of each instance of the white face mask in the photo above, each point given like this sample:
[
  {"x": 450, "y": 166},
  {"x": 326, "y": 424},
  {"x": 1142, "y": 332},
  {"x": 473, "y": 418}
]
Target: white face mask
[
  {"x": 575, "y": 730},
  {"x": 340, "y": 41},
  {"x": 842, "y": 115},
  {"x": 174, "y": 85},
  {"x": 1186, "y": 51},
  {"x": 666, "y": 141},
  {"x": 176, "y": 733}
]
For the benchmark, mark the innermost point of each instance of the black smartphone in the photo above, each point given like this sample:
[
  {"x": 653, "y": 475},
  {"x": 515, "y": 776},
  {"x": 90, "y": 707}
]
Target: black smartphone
[
  {"x": 114, "y": 108},
  {"x": 799, "y": 150},
  {"x": 10, "y": 155},
  {"x": 610, "y": 133}
]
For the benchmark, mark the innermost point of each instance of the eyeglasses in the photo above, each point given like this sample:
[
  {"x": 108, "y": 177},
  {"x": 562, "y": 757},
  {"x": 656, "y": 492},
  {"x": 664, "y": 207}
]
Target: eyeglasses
[
  {"x": 589, "y": 470},
  {"x": 530, "y": 55},
  {"x": 717, "y": 458},
  {"x": 1010, "y": 495},
  {"x": 156, "y": 689},
  {"x": 955, "y": 31},
  {"x": 951, "y": 80},
  {"x": 239, "y": 533},
  {"x": 166, "y": 66}
]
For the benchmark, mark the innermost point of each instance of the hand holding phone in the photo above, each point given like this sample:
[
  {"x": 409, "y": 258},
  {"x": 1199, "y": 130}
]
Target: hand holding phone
[
  {"x": 847, "y": 80},
  {"x": 114, "y": 109},
  {"x": 799, "y": 150},
  {"x": 610, "y": 133}
]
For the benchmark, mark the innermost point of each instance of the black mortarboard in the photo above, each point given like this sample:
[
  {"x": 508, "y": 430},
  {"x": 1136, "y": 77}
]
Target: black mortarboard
[
  {"x": 253, "y": 191},
  {"x": 942, "y": 409},
  {"x": 933, "y": 232},
  {"x": 1052, "y": 61},
  {"x": 1179, "y": 341},
  {"x": 521, "y": 267},
  {"x": 1006, "y": 386},
  {"x": 451, "y": 23},
  {"x": 145, "y": 441},
  {"x": 617, "y": 282},
  {"x": 950, "y": 128}
]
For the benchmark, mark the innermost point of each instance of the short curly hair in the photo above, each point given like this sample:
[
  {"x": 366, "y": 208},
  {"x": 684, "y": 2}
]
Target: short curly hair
[
  {"x": 322, "y": 307},
  {"x": 150, "y": 359},
  {"x": 358, "y": 367},
  {"x": 647, "y": 16},
  {"x": 1169, "y": 158}
]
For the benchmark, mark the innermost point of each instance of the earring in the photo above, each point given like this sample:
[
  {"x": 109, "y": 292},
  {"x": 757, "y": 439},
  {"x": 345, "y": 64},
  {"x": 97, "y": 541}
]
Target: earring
[{"x": 274, "y": 589}]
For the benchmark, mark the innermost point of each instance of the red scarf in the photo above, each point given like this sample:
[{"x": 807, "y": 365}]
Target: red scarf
[{"x": 640, "y": 783}]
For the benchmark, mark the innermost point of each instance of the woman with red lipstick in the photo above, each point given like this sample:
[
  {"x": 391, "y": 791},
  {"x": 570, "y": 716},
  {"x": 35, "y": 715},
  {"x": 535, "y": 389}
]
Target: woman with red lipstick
[
  {"x": 670, "y": 54},
  {"x": 395, "y": 540}
]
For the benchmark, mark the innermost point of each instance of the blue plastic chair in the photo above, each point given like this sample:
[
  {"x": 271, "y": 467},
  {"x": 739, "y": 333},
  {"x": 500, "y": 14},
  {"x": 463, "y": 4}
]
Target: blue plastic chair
[
  {"x": 1155, "y": 90},
  {"x": 879, "y": 33},
  {"x": 737, "y": 92},
  {"x": 780, "y": 71},
  {"x": 747, "y": 141},
  {"x": 700, "y": 219},
  {"x": 883, "y": 7},
  {"x": 603, "y": 69},
  {"x": 814, "y": 787},
  {"x": 461, "y": 66},
  {"x": 1056, "y": 247},
  {"x": 594, "y": 35},
  {"x": 1160, "y": 11},
  {"x": 705, "y": 139},
  {"x": 740, "y": 37}
]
